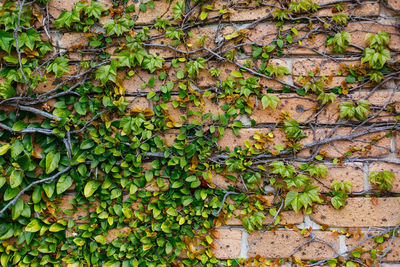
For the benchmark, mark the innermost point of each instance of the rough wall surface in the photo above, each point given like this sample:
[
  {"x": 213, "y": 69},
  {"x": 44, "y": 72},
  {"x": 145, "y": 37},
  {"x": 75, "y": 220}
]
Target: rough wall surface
[{"x": 241, "y": 39}]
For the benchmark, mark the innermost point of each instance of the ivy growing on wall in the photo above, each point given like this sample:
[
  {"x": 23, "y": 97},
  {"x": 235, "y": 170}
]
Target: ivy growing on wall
[{"x": 85, "y": 134}]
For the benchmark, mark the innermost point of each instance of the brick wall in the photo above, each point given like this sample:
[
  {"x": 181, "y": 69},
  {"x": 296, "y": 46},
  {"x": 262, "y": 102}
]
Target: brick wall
[{"x": 330, "y": 232}]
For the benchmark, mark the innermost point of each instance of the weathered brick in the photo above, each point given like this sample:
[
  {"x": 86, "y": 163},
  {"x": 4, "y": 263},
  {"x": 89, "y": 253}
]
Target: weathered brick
[
  {"x": 393, "y": 254},
  {"x": 384, "y": 166},
  {"x": 231, "y": 141},
  {"x": 394, "y": 4},
  {"x": 358, "y": 145},
  {"x": 281, "y": 243},
  {"x": 242, "y": 11},
  {"x": 163, "y": 9},
  {"x": 360, "y": 212},
  {"x": 115, "y": 233},
  {"x": 327, "y": 67},
  {"x": 300, "y": 108},
  {"x": 287, "y": 218},
  {"x": 359, "y": 30},
  {"x": 228, "y": 243},
  {"x": 57, "y": 6},
  {"x": 379, "y": 99},
  {"x": 72, "y": 42},
  {"x": 352, "y": 172},
  {"x": 79, "y": 212},
  {"x": 367, "y": 8}
]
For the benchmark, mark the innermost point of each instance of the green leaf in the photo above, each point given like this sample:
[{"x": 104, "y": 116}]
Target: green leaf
[
  {"x": 58, "y": 66},
  {"x": 178, "y": 9},
  {"x": 350, "y": 79},
  {"x": 56, "y": 227},
  {"x": 33, "y": 226},
  {"x": 16, "y": 178},
  {"x": 63, "y": 184},
  {"x": 19, "y": 125},
  {"x": 6, "y": 41},
  {"x": 101, "y": 239},
  {"x": 52, "y": 160},
  {"x": 172, "y": 211},
  {"x": 17, "y": 148},
  {"x": 4, "y": 149},
  {"x": 79, "y": 241},
  {"x": 94, "y": 10},
  {"x": 10, "y": 193},
  {"x": 107, "y": 73},
  {"x": 338, "y": 201},
  {"x": 90, "y": 188},
  {"x": 346, "y": 110},
  {"x": 203, "y": 15},
  {"x": 270, "y": 101},
  {"x": 28, "y": 39},
  {"x": 66, "y": 18},
  {"x": 17, "y": 209}
]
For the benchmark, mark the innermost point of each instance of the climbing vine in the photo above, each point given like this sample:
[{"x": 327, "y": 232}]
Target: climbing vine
[{"x": 70, "y": 126}]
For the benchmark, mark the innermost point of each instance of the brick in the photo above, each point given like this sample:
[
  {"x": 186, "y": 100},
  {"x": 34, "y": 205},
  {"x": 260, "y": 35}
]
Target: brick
[
  {"x": 205, "y": 80},
  {"x": 352, "y": 172},
  {"x": 338, "y": 148},
  {"x": 114, "y": 234},
  {"x": 287, "y": 218},
  {"x": 161, "y": 8},
  {"x": 281, "y": 243},
  {"x": 379, "y": 99},
  {"x": 397, "y": 144},
  {"x": 327, "y": 67},
  {"x": 231, "y": 141},
  {"x": 242, "y": 11},
  {"x": 139, "y": 104},
  {"x": 394, "y": 4},
  {"x": 79, "y": 212},
  {"x": 57, "y": 6},
  {"x": 228, "y": 243},
  {"x": 384, "y": 166},
  {"x": 359, "y": 30},
  {"x": 360, "y": 212},
  {"x": 263, "y": 34},
  {"x": 393, "y": 254},
  {"x": 300, "y": 109},
  {"x": 367, "y": 8},
  {"x": 72, "y": 42}
]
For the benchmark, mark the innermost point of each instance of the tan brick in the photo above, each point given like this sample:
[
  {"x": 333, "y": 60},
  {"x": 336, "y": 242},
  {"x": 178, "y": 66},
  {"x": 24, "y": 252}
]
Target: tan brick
[
  {"x": 360, "y": 212},
  {"x": 161, "y": 8},
  {"x": 231, "y": 141},
  {"x": 359, "y": 30},
  {"x": 57, "y": 6},
  {"x": 241, "y": 11},
  {"x": 72, "y": 42},
  {"x": 300, "y": 108},
  {"x": 281, "y": 243},
  {"x": 367, "y": 8},
  {"x": 287, "y": 218},
  {"x": 395, "y": 4},
  {"x": 327, "y": 67},
  {"x": 114, "y": 234},
  {"x": 397, "y": 144},
  {"x": 352, "y": 172},
  {"x": 393, "y": 254},
  {"x": 338, "y": 148},
  {"x": 227, "y": 244},
  {"x": 79, "y": 212},
  {"x": 379, "y": 99},
  {"x": 139, "y": 104},
  {"x": 384, "y": 166},
  {"x": 204, "y": 78}
]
